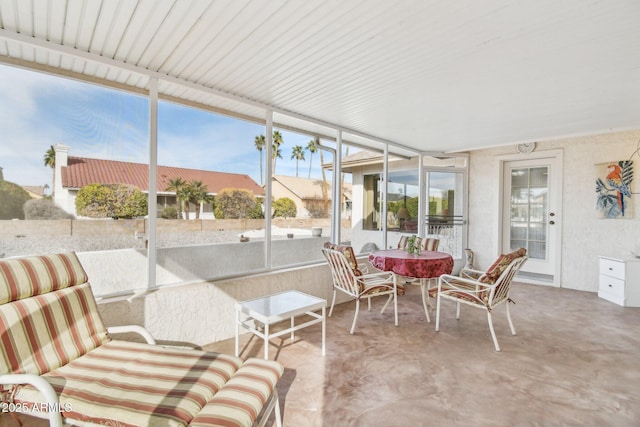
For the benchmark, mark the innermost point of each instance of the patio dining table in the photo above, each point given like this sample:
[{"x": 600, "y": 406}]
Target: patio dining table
[{"x": 423, "y": 266}]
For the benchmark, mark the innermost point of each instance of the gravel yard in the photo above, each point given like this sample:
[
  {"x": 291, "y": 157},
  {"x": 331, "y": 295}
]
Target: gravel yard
[{"x": 19, "y": 246}]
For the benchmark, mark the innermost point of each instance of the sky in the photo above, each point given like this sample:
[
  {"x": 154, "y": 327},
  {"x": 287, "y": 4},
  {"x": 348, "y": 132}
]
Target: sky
[{"x": 38, "y": 110}]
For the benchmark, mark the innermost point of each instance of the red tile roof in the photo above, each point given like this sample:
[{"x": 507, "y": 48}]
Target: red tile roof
[{"x": 82, "y": 171}]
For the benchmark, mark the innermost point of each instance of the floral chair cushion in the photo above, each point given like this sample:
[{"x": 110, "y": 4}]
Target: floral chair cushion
[
  {"x": 499, "y": 265},
  {"x": 348, "y": 253}
]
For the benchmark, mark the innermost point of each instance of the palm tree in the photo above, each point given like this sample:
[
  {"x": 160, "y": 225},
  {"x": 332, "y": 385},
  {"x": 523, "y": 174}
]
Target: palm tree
[
  {"x": 177, "y": 185},
  {"x": 50, "y": 160},
  {"x": 311, "y": 146},
  {"x": 259, "y": 142},
  {"x": 198, "y": 195},
  {"x": 187, "y": 195},
  {"x": 277, "y": 152},
  {"x": 298, "y": 154}
]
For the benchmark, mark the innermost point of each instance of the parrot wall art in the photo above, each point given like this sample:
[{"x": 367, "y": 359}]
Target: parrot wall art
[{"x": 613, "y": 188}]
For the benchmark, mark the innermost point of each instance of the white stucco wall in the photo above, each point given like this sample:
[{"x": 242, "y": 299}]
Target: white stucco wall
[
  {"x": 62, "y": 196},
  {"x": 192, "y": 310},
  {"x": 584, "y": 236},
  {"x": 202, "y": 313}
]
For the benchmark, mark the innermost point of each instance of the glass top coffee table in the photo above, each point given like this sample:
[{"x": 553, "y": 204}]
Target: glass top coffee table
[{"x": 276, "y": 308}]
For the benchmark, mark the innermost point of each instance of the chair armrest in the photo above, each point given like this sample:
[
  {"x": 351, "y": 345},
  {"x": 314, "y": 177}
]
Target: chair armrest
[
  {"x": 451, "y": 280},
  {"x": 364, "y": 268},
  {"x": 470, "y": 273},
  {"x": 380, "y": 274},
  {"x": 135, "y": 329},
  {"x": 50, "y": 396},
  {"x": 382, "y": 278}
]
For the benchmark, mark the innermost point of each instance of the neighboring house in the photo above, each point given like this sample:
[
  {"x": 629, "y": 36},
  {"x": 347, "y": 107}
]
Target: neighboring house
[
  {"x": 308, "y": 195},
  {"x": 35, "y": 191},
  {"x": 73, "y": 173}
]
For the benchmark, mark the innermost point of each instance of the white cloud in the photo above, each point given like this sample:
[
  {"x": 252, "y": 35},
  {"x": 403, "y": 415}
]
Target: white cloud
[{"x": 22, "y": 145}]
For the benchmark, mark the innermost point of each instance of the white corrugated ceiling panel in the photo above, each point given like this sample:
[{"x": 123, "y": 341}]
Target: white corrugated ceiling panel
[{"x": 430, "y": 75}]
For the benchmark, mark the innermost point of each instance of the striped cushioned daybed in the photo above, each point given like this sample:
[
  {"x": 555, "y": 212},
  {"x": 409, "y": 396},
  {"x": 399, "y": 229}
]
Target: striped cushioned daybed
[{"x": 57, "y": 359}]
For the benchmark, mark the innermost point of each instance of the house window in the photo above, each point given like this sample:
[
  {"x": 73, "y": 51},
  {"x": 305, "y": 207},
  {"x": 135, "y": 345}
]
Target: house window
[{"x": 402, "y": 201}]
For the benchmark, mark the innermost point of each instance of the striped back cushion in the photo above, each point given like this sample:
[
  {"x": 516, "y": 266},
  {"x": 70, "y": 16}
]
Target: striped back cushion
[
  {"x": 430, "y": 244},
  {"x": 46, "y": 331},
  {"x": 28, "y": 276}
]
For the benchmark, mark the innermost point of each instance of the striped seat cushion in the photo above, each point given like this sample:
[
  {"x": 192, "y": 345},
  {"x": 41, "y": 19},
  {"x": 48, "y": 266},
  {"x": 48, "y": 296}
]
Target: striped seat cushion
[
  {"x": 240, "y": 400},
  {"x": 35, "y": 275},
  {"x": 131, "y": 384},
  {"x": 472, "y": 296},
  {"x": 44, "y": 332}
]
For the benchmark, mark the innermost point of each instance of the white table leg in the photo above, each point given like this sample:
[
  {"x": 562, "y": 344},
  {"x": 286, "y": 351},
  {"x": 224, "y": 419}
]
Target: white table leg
[
  {"x": 423, "y": 286},
  {"x": 292, "y": 331},
  {"x": 266, "y": 341},
  {"x": 324, "y": 330}
]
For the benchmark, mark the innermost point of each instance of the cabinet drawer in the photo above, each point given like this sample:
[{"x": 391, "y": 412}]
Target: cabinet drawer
[
  {"x": 611, "y": 286},
  {"x": 612, "y": 268}
]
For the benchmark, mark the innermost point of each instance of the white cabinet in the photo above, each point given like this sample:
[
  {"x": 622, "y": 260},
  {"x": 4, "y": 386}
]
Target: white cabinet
[{"x": 620, "y": 281}]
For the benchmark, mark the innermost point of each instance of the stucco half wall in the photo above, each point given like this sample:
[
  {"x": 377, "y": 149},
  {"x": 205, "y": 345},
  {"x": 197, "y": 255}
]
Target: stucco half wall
[{"x": 201, "y": 313}]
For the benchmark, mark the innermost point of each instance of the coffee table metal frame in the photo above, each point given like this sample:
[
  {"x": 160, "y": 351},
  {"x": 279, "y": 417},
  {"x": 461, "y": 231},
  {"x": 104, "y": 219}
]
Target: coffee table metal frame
[{"x": 275, "y": 308}]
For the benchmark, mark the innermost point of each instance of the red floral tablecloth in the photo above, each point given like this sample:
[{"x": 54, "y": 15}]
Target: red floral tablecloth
[{"x": 427, "y": 264}]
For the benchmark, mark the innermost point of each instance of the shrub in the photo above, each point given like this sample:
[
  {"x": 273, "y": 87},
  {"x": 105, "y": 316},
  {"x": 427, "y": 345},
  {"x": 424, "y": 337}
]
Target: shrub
[
  {"x": 318, "y": 208},
  {"x": 284, "y": 207},
  {"x": 257, "y": 211},
  {"x": 12, "y": 199},
  {"x": 169, "y": 212},
  {"x": 44, "y": 209},
  {"x": 234, "y": 203},
  {"x": 93, "y": 201},
  {"x": 111, "y": 201},
  {"x": 127, "y": 201}
]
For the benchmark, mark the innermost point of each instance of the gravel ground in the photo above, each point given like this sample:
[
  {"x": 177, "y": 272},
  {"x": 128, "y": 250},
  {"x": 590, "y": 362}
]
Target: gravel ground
[{"x": 19, "y": 246}]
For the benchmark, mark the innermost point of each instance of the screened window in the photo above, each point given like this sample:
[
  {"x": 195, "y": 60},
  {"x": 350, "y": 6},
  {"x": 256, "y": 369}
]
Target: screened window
[
  {"x": 210, "y": 216},
  {"x": 402, "y": 201}
]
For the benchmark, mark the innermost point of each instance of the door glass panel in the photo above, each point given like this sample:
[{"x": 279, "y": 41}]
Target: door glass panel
[
  {"x": 529, "y": 207},
  {"x": 445, "y": 211}
]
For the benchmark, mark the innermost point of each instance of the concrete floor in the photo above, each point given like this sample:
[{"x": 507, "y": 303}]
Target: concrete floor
[{"x": 575, "y": 361}]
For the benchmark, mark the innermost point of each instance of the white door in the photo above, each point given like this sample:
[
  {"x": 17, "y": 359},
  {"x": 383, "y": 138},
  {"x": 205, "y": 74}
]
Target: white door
[{"x": 531, "y": 217}]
